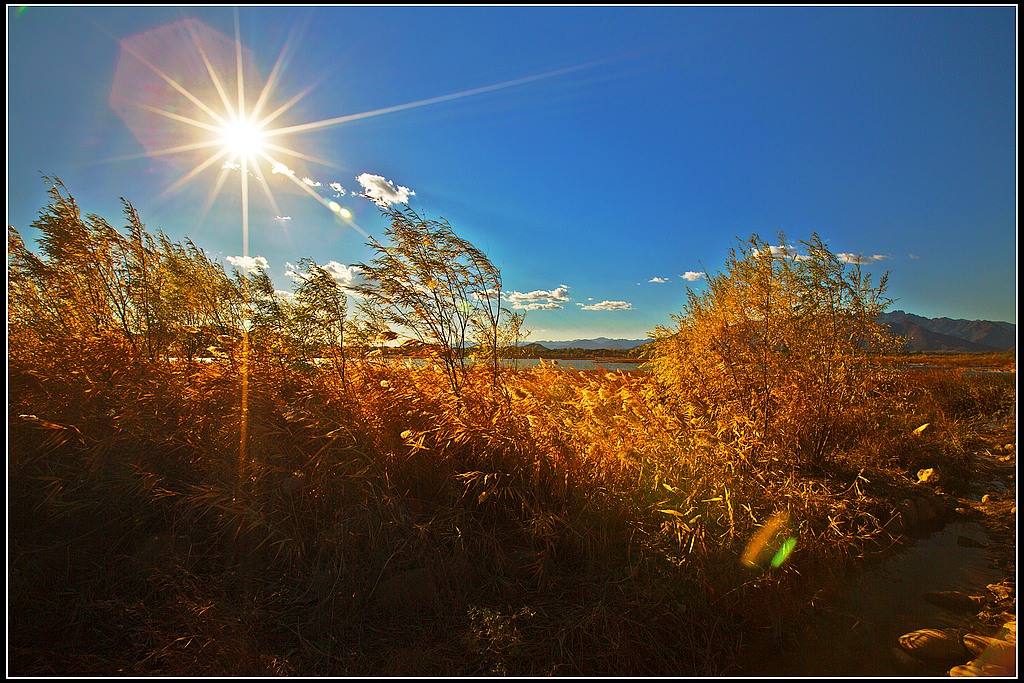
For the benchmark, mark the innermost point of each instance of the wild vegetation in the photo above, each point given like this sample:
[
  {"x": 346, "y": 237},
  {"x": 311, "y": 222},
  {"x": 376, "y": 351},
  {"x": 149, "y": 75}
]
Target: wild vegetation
[{"x": 205, "y": 478}]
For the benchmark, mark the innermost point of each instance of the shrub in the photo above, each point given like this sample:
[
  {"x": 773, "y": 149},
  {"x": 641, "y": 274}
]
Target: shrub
[{"x": 781, "y": 355}]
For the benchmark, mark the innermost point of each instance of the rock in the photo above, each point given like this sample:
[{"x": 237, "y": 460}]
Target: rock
[
  {"x": 992, "y": 649},
  {"x": 907, "y": 665},
  {"x": 965, "y": 670},
  {"x": 1009, "y": 632},
  {"x": 968, "y": 542},
  {"x": 970, "y": 669},
  {"x": 1002, "y": 591},
  {"x": 936, "y": 645},
  {"x": 996, "y": 662},
  {"x": 955, "y": 600},
  {"x": 927, "y": 475}
]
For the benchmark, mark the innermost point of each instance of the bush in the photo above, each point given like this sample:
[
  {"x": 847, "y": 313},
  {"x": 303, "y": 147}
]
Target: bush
[{"x": 781, "y": 355}]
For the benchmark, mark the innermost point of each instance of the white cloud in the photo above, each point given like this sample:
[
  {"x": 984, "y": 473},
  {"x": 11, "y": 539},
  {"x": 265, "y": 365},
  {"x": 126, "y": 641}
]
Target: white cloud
[
  {"x": 913, "y": 257},
  {"x": 383, "y": 191},
  {"x": 692, "y": 276},
  {"x": 779, "y": 251},
  {"x": 248, "y": 264},
  {"x": 658, "y": 279},
  {"x": 282, "y": 294},
  {"x": 282, "y": 218},
  {"x": 338, "y": 189},
  {"x": 539, "y": 299},
  {"x": 231, "y": 166},
  {"x": 608, "y": 306},
  {"x": 280, "y": 168},
  {"x": 860, "y": 258},
  {"x": 346, "y": 276},
  {"x": 310, "y": 182}
]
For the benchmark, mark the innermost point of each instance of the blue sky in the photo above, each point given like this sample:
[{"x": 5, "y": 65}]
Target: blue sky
[{"x": 597, "y": 154}]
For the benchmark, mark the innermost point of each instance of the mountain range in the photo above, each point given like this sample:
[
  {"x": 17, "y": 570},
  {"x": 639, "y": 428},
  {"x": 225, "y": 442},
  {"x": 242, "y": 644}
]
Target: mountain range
[
  {"x": 948, "y": 334},
  {"x": 598, "y": 343},
  {"x": 923, "y": 334}
]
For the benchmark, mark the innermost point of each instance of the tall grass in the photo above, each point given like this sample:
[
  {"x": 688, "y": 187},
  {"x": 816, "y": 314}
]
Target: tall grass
[{"x": 535, "y": 522}]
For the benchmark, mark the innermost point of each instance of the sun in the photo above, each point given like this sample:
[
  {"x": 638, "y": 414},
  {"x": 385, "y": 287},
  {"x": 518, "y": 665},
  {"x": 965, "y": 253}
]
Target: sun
[{"x": 242, "y": 139}]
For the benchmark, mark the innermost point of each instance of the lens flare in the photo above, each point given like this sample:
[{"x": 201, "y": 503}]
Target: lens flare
[{"x": 772, "y": 544}]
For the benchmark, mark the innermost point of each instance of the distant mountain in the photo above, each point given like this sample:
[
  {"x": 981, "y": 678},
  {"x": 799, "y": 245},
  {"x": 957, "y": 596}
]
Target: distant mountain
[
  {"x": 599, "y": 343},
  {"x": 947, "y": 334},
  {"x": 924, "y": 334}
]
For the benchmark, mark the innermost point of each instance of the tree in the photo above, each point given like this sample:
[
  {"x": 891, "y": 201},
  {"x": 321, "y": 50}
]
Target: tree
[
  {"x": 435, "y": 288},
  {"x": 780, "y": 354}
]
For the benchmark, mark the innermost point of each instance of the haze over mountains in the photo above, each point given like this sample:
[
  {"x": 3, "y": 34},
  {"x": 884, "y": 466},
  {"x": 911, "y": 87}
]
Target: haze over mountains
[{"x": 924, "y": 334}]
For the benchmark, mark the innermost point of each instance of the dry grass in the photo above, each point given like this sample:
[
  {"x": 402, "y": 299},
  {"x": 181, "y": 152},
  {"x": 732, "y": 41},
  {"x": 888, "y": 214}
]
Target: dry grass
[
  {"x": 572, "y": 527},
  {"x": 259, "y": 514}
]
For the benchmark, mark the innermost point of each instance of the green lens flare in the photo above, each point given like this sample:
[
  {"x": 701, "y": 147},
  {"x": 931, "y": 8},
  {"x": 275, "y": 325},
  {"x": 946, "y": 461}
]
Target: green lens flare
[{"x": 784, "y": 552}]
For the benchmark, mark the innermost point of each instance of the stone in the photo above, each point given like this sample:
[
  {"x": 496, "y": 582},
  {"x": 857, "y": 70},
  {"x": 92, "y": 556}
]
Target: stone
[
  {"x": 1009, "y": 632},
  {"x": 992, "y": 649},
  {"x": 968, "y": 542},
  {"x": 939, "y": 645},
  {"x": 954, "y": 600},
  {"x": 1000, "y": 590},
  {"x": 907, "y": 665},
  {"x": 965, "y": 670}
]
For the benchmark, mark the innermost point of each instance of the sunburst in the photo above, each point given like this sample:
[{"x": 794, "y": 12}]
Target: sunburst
[{"x": 204, "y": 105}]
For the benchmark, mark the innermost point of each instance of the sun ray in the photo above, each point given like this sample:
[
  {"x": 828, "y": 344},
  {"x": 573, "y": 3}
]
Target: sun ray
[
  {"x": 324, "y": 123},
  {"x": 194, "y": 172},
  {"x": 183, "y": 119},
  {"x": 174, "y": 84},
  {"x": 218, "y": 86},
  {"x": 189, "y": 147},
  {"x": 289, "y": 104},
  {"x": 222, "y": 178},
  {"x": 262, "y": 179},
  {"x": 239, "y": 75},
  {"x": 275, "y": 74},
  {"x": 299, "y": 155}
]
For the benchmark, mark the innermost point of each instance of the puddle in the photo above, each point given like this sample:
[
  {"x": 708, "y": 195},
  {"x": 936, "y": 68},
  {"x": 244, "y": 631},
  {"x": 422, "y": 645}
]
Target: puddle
[{"x": 884, "y": 602}]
